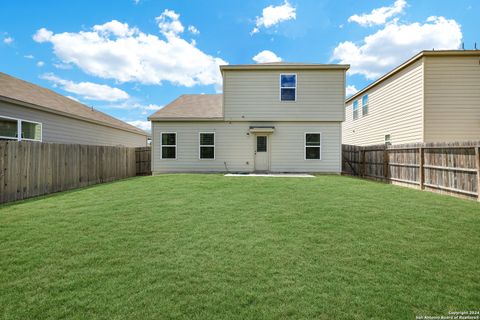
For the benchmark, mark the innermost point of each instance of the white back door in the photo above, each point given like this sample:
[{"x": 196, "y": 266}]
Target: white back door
[{"x": 261, "y": 153}]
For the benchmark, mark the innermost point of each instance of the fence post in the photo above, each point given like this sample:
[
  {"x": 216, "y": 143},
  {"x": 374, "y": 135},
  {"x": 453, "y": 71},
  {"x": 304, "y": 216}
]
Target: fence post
[
  {"x": 385, "y": 163},
  {"x": 363, "y": 162},
  {"x": 422, "y": 167},
  {"x": 477, "y": 160}
]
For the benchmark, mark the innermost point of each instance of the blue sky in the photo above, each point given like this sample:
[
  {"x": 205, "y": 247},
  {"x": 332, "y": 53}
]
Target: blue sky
[{"x": 130, "y": 57}]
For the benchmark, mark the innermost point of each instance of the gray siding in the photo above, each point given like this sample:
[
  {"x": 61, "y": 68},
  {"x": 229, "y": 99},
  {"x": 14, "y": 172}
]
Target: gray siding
[
  {"x": 234, "y": 148},
  {"x": 255, "y": 96},
  {"x": 395, "y": 108},
  {"x": 452, "y": 99},
  {"x": 60, "y": 129}
]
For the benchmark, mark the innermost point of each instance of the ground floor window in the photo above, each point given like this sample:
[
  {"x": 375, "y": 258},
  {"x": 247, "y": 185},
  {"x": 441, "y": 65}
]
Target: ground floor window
[
  {"x": 207, "y": 145},
  {"x": 313, "y": 146},
  {"x": 169, "y": 145},
  {"x": 17, "y": 129}
]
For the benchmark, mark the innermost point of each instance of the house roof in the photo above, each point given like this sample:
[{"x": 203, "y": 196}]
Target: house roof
[
  {"x": 429, "y": 53},
  {"x": 192, "y": 107},
  {"x": 30, "y": 95},
  {"x": 285, "y": 66}
]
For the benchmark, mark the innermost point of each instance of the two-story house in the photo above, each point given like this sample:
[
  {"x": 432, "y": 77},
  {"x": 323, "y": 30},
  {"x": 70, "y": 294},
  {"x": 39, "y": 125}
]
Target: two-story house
[
  {"x": 276, "y": 117},
  {"x": 432, "y": 97}
]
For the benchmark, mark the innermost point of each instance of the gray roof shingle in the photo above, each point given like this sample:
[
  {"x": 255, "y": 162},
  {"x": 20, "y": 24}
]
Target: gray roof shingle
[
  {"x": 192, "y": 107},
  {"x": 18, "y": 90}
]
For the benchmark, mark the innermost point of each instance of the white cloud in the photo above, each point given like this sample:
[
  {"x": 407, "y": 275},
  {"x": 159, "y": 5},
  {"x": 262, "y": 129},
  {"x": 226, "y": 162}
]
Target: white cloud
[
  {"x": 29, "y": 56},
  {"x": 136, "y": 1},
  {"x": 379, "y": 15},
  {"x": 142, "y": 124},
  {"x": 72, "y": 98},
  {"x": 115, "y": 28},
  {"x": 88, "y": 90},
  {"x": 131, "y": 104},
  {"x": 350, "y": 90},
  {"x": 193, "y": 30},
  {"x": 116, "y": 51},
  {"x": 62, "y": 66},
  {"x": 395, "y": 43},
  {"x": 271, "y": 16},
  {"x": 8, "y": 40},
  {"x": 42, "y": 35},
  {"x": 266, "y": 56},
  {"x": 40, "y": 64},
  {"x": 153, "y": 107},
  {"x": 169, "y": 23}
]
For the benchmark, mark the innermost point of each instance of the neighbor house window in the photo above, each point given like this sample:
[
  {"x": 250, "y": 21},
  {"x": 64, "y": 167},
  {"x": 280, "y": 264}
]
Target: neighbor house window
[
  {"x": 288, "y": 87},
  {"x": 355, "y": 109},
  {"x": 31, "y": 130},
  {"x": 365, "y": 105},
  {"x": 169, "y": 145},
  {"x": 207, "y": 145},
  {"x": 8, "y": 128},
  {"x": 312, "y": 146},
  {"x": 387, "y": 140},
  {"x": 17, "y": 129}
]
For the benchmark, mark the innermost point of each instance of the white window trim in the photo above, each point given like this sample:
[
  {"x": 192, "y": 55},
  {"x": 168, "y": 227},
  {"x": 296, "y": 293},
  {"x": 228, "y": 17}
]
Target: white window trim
[
  {"x": 207, "y": 145},
  {"x": 19, "y": 129},
  {"x": 280, "y": 86},
  {"x": 305, "y": 146},
  {"x": 353, "y": 110},
  {"x": 365, "y": 105},
  {"x": 168, "y": 145}
]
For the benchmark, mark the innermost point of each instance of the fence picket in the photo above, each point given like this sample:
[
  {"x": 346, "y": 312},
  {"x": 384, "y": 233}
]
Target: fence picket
[
  {"x": 30, "y": 169},
  {"x": 452, "y": 168}
]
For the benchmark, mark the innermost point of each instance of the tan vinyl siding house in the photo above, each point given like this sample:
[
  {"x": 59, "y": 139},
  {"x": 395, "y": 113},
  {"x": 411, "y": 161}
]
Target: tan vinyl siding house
[
  {"x": 58, "y": 119},
  {"x": 433, "y": 97},
  {"x": 253, "y": 130},
  {"x": 452, "y": 98}
]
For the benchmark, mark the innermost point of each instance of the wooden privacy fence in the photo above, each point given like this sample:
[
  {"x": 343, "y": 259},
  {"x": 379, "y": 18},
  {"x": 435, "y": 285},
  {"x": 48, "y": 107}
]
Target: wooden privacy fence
[
  {"x": 441, "y": 167},
  {"x": 143, "y": 159},
  {"x": 30, "y": 169}
]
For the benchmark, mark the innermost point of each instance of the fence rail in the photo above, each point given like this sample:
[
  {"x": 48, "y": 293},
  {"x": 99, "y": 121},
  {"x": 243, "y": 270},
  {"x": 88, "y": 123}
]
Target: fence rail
[
  {"x": 30, "y": 169},
  {"x": 452, "y": 168}
]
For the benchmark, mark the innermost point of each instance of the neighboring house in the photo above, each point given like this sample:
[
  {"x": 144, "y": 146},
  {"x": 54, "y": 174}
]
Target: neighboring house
[
  {"x": 30, "y": 112},
  {"x": 433, "y": 97},
  {"x": 276, "y": 117}
]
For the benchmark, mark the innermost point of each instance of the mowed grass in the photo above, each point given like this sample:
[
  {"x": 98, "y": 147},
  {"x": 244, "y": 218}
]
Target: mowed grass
[{"x": 214, "y": 247}]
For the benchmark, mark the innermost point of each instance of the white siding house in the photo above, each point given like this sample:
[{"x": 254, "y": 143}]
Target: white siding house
[
  {"x": 270, "y": 118},
  {"x": 433, "y": 97}
]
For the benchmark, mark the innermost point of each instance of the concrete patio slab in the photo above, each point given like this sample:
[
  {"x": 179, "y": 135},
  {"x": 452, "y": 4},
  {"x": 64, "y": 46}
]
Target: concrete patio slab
[{"x": 273, "y": 175}]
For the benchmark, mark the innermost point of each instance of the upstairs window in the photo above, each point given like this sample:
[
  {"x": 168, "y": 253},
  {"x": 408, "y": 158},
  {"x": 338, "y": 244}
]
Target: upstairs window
[
  {"x": 16, "y": 129},
  {"x": 365, "y": 105},
  {"x": 313, "y": 146},
  {"x": 169, "y": 145},
  {"x": 288, "y": 87},
  {"x": 207, "y": 145},
  {"x": 355, "y": 110},
  {"x": 387, "y": 140}
]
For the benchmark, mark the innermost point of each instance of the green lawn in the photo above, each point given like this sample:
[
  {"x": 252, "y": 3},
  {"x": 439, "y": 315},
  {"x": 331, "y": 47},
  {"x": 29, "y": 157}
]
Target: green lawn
[{"x": 214, "y": 247}]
